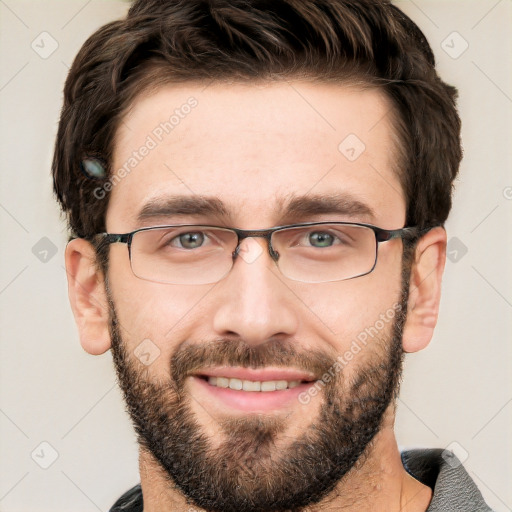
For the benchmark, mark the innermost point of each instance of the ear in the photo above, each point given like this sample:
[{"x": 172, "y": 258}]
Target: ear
[
  {"x": 87, "y": 295},
  {"x": 425, "y": 290}
]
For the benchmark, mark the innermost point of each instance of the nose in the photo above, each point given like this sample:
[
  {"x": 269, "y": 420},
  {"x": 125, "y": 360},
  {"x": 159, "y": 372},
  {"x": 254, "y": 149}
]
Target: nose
[{"x": 253, "y": 302}]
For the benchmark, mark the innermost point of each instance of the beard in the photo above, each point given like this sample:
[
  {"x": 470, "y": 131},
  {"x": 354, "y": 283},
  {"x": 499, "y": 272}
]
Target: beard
[{"x": 245, "y": 471}]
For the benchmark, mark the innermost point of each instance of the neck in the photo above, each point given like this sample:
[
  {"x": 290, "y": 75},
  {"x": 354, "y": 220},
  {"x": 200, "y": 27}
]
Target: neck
[{"x": 378, "y": 481}]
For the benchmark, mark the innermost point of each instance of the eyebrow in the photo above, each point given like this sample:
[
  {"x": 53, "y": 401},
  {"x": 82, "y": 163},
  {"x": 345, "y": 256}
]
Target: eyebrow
[
  {"x": 291, "y": 208},
  {"x": 182, "y": 205},
  {"x": 300, "y": 207}
]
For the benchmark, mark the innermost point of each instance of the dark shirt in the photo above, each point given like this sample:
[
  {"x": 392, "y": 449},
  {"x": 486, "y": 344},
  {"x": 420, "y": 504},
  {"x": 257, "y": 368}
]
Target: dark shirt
[{"x": 452, "y": 487}]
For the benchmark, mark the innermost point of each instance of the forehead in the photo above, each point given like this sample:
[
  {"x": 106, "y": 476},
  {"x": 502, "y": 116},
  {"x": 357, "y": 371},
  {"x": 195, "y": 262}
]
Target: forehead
[{"x": 255, "y": 149}]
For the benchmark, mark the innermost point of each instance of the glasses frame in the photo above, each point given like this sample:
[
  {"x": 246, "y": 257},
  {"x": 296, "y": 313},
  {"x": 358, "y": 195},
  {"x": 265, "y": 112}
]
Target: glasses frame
[{"x": 381, "y": 235}]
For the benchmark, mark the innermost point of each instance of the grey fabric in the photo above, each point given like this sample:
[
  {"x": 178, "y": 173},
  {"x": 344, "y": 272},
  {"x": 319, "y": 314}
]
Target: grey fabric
[
  {"x": 442, "y": 471},
  {"x": 453, "y": 489},
  {"x": 130, "y": 501}
]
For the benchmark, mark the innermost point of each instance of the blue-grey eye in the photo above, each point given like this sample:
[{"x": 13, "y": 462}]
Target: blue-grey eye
[
  {"x": 191, "y": 240},
  {"x": 321, "y": 239},
  {"x": 93, "y": 168}
]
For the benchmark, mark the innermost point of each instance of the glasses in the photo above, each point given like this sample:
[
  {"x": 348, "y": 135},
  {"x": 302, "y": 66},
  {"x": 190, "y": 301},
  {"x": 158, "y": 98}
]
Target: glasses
[{"x": 313, "y": 252}]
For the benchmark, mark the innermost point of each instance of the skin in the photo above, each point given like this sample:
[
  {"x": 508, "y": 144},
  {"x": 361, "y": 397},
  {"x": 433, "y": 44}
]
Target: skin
[{"x": 250, "y": 146}]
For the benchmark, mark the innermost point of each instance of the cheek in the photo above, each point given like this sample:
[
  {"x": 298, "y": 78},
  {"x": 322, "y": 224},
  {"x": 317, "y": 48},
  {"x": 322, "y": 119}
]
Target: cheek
[
  {"x": 347, "y": 310},
  {"x": 154, "y": 318}
]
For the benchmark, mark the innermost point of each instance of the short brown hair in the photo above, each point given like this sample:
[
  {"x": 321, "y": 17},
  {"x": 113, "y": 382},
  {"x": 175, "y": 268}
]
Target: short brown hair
[{"x": 165, "y": 41}]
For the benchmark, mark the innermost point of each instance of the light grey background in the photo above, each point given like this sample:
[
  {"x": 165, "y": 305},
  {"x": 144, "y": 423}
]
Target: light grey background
[{"x": 456, "y": 393}]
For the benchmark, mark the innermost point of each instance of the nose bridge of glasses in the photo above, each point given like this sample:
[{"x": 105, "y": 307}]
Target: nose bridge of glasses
[{"x": 265, "y": 234}]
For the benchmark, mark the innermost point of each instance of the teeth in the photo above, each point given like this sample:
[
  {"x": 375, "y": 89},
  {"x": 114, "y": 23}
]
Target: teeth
[
  {"x": 235, "y": 384},
  {"x": 268, "y": 385},
  {"x": 281, "y": 384},
  {"x": 222, "y": 382},
  {"x": 250, "y": 385}
]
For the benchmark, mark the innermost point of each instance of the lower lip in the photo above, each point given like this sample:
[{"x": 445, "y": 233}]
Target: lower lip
[{"x": 250, "y": 401}]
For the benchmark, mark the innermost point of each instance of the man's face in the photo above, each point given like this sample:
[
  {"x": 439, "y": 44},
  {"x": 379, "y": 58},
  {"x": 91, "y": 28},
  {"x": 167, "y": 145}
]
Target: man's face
[{"x": 255, "y": 148}]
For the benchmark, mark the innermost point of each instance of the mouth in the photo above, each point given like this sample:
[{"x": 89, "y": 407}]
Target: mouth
[
  {"x": 264, "y": 386},
  {"x": 250, "y": 390}
]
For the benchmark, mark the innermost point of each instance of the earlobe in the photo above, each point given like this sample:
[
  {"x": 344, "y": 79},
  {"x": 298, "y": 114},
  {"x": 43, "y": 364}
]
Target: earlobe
[
  {"x": 87, "y": 295},
  {"x": 425, "y": 290}
]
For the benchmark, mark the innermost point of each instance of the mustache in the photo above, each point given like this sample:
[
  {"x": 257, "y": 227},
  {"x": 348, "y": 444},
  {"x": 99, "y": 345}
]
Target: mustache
[{"x": 190, "y": 358}]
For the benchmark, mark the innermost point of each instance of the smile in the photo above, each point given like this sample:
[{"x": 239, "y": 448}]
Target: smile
[
  {"x": 247, "y": 390},
  {"x": 251, "y": 385}
]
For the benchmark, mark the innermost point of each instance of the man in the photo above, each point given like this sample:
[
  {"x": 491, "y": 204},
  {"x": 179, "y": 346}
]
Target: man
[{"x": 256, "y": 193}]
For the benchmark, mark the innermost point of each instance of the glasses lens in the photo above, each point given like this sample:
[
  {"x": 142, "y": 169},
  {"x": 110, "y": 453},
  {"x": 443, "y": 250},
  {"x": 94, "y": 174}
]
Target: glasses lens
[
  {"x": 183, "y": 254},
  {"x": 325, "y": 252}
]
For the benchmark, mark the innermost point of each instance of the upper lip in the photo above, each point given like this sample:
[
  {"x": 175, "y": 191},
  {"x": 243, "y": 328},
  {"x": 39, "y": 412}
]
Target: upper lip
[{"x": 256, "y": 374}]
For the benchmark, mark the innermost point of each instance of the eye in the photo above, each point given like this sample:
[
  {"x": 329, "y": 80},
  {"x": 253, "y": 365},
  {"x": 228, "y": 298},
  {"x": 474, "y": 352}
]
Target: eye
[
  {"x": 189, "y": 240},
  {"x": 321, "y": 239},
  {"x": 317, "y": 237}
]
